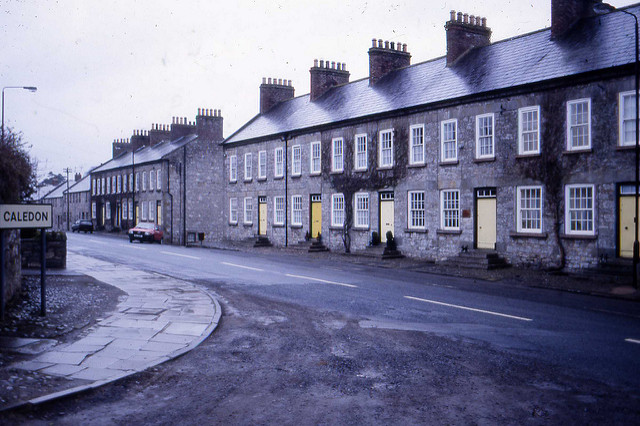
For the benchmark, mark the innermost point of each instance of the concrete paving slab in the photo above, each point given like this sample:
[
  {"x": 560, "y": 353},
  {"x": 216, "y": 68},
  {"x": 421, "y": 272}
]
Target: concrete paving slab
[
  {"x": 128, "y": 343},
  {"x": 187, "y": 329},
  {"x": 171, "y": 338},
  {"x": 80, "y": 347},
  {"x": 62, "y": 370},
  {"x": 62, "y": 357},
  {"x": 99, "y": 361},
  {"x": 95, "y": 340},
  {"x": 163, "y": 346},
  {"x": 32, "y": 365},
  {"x": 94, "y": 374}
]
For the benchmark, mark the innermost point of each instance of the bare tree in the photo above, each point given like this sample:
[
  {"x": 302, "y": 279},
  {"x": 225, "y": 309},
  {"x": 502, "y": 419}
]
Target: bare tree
[{"x": 351, "y": 181}]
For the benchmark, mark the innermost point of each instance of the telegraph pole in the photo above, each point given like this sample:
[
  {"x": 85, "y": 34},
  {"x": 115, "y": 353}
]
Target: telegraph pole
[{"x": 67, "y": 170}]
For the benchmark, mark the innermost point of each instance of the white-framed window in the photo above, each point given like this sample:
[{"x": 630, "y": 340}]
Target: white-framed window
[
  {"x": 579, "y": 210},
  {"x": 233, "y": 210},
  {"x": 124, "y": 209},
  {"x": 627, "y": 117},
  {"x": 93, "y": 211},
  {"x": 361, "y": 202},
  {"x": 233, "y": 168},
  {"x": 278, "y": 210},
  {"x": 450, "y": 209},
  {"x": 416, "y": 208},
  {"x": 152, "y": 211},
  {"x": 449, "y": 141},
  {"x": 485, "y": 142},
  {"x": 315, "y": 162},
  {"x": 158, "y": 180},
  {"x": 130, "y": 209},
  {"x": 278, "y": 161},
  {"x": 337, "y": 210},
  {"x": 529, "y": 130},
  {"x": 579, "y": 124},
  {"x": 137, "y": 181},
  {"x": 93, "y": 187},
  {"x": 416, "y": 144},
  {"x": 107, "y": 210},
  {"x": 113, "y": 184},
  {"x": 152, "y": 179},
  {"x": 118, "y": 184},
  {"x": 144, "y": 210},
  {"x": 296, "y": 160},
  {"x": 361, "y": 160},
  {"x": 385, "y": 151},
  {"x": 248, "y": 210},
  {"x": 248, "y": 166},
  {"x": 144, "y": 181},
  {"x": 529, "y": 206},
  {"x": 103, "y": 186},
  {"x": 337, "y": 157},
  {"x": 262, "y": 165},
  {"x": 130, "y": 182},
  {"x": 296, "y": 210}
]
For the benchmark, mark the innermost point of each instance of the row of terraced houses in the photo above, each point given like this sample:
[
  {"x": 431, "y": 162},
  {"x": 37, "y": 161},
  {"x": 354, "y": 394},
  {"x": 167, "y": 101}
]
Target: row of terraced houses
[{"x": 524, "y": 147}]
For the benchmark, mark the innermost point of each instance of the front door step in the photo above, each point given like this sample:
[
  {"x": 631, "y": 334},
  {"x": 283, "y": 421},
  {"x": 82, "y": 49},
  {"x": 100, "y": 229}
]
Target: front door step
[{"x": 478, "y": 259}]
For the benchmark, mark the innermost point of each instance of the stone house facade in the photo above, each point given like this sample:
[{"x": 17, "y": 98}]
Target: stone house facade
[
  {"x": 150, "y": 177},
  {"x": 523, "y": 146}
]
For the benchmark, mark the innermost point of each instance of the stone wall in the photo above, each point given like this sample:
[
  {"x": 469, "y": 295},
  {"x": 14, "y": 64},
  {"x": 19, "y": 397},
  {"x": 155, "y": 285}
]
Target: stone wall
[
  {"x": 56, "y": 255},
  {"x": 12, "y": 266}
]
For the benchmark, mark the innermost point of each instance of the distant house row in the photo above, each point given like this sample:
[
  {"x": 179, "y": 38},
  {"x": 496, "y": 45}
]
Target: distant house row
[{"x": 523, "y": 147}]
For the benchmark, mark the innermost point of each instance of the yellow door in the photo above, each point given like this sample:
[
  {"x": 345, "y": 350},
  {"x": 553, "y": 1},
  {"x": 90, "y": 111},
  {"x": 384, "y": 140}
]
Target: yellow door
[
  {"x": 627, "y": 226},
  {"x": 159, "y": 213},
  {"x": 386, "y": 219},
  {"x": 104, "y": 212},
  {"x": 316, "y": 219},
  {"x": 262, "y": 219},
  {"x": 486, "y": 223}
]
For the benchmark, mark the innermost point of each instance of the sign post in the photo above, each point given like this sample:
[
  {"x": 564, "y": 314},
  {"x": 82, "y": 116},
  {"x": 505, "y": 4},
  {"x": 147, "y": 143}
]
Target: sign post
[{"x": 25, "y": 216}]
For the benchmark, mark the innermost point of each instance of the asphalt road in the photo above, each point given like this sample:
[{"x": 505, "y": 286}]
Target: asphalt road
[{"x": 526, "y": 354}]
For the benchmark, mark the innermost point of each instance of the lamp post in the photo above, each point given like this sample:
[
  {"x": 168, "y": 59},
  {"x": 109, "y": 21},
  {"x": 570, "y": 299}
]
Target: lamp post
[
  {"x": 604, "y": 8},
  {"x": 29, "y": 88}
]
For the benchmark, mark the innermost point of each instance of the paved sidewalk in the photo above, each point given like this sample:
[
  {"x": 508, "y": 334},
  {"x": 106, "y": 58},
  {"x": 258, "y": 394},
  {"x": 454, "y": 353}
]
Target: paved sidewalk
[{"x": 161, "y": 318}]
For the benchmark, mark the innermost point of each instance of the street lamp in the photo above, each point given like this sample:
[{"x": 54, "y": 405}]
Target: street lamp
[
  {"x": 29, "y": 88},
  {"x": 605, "y": 8}
]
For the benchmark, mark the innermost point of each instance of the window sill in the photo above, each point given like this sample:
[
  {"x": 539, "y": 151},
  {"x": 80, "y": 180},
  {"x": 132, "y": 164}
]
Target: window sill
[
  {"x": 315, "y": 174},
  {"x": 231, "y": 181},
  {"x": 416, "y": 231},
  {"x": 336, "y": 172},
  {"x": 296, "y": 226},
  {"x": 541, "y": 235},
  {"x": 448, "y": 231},
  {"x": 296, "y": 176},
  {"x": 278, "y": 225},
  {"x": 578, "y": 151},
  {"x": 449, "y": 163},
  {"x": 416, "y": 165},
  {"x": 248, "y": 225},
  {"x": 233, "y": 223},
  {"x": 484, "y": 160},
  {"x": 531, "y": 155},
  {"x": 625, "y": 147},
  {"x": 248, "y": 180},
  {"x": 278, "y": 177},
  {"x": 382, "y": 168},
  {"x": 261, "y": 179},
  {"x": 359, "y": 170},
  {"x": 579, "y": 237},
  {"x": 360, "y": 228},
  {"x": 336, "y": 228}
]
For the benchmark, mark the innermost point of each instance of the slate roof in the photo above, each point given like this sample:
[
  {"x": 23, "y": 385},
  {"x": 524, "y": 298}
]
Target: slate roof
[
  {"x": 595, "y": 43},
  {"x": 83, "y": 185},
  {"x": 144, "y": 155},
  {"x": 57, "y": 192}
]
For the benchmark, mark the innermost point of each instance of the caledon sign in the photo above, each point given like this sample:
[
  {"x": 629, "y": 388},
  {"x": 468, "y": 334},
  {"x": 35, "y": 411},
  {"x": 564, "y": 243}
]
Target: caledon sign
[{"x": 20, "y": 216}]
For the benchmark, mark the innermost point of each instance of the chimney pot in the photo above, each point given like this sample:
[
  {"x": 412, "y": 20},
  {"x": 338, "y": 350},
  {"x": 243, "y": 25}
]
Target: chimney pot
[
  {"x": 472, "y": 19},
  {"x": 459, "y": 17},
  {"x": 269, "y": 80},
  {"x": 219, "y": 113},
  {"x": 321, "y": 63},
  {"x": 333, "y": 65},
  {"x": 289, "y": 83},
  {"x": 264, "y": 80},
  {"x": 380, "y": 43},
  {"x": 393, "y": 45},
  {"x": 484, "y": 22},
  {"x": 386, "y": 44},
  {"x": 373, "y": 42},
  {"x": 344, "y": 66},
  {"x": 466, "y": 18},
  {"x": 453, "y": 16}
]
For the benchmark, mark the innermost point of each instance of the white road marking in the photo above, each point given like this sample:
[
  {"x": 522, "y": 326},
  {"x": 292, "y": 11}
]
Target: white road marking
[
  {"x": 242, "y": 266},
  {"x": 133, "y": 247},
  {"x": 632, "y": 341},
  {"x": 469, "y": 309},
  {"x": 180, "y": 255},
  {"x": 322, "y": 281},
  {"x": 96, "y": 241}
]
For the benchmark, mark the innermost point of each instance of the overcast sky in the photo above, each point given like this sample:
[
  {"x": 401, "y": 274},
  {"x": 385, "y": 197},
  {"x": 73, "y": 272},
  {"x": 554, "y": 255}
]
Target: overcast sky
[{"x": 104, "y": 68}]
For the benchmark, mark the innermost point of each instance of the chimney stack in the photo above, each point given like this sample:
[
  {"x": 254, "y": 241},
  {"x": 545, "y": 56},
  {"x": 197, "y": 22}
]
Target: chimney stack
[
  {"x": 274, "y": 91},
  {"x": 565, "y": 13},
  {"x": 326, "y": 75},
  {"x": 465, "y": 32},
  {"x": 77, "y": 177},
  {"x": 209, "y": 124},
  {"x": 385, "y": 57}
]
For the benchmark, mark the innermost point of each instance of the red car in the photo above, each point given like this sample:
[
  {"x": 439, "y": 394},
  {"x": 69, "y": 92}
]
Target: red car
[{"x": 144, "y": 231}]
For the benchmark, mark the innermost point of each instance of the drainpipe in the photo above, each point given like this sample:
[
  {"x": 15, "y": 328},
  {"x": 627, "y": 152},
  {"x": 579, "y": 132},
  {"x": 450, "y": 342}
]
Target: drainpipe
[
  {"x": 184, "y": 195},
  {"x": 286, "y": 192},
  {"x": 170, "y": 198}
]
